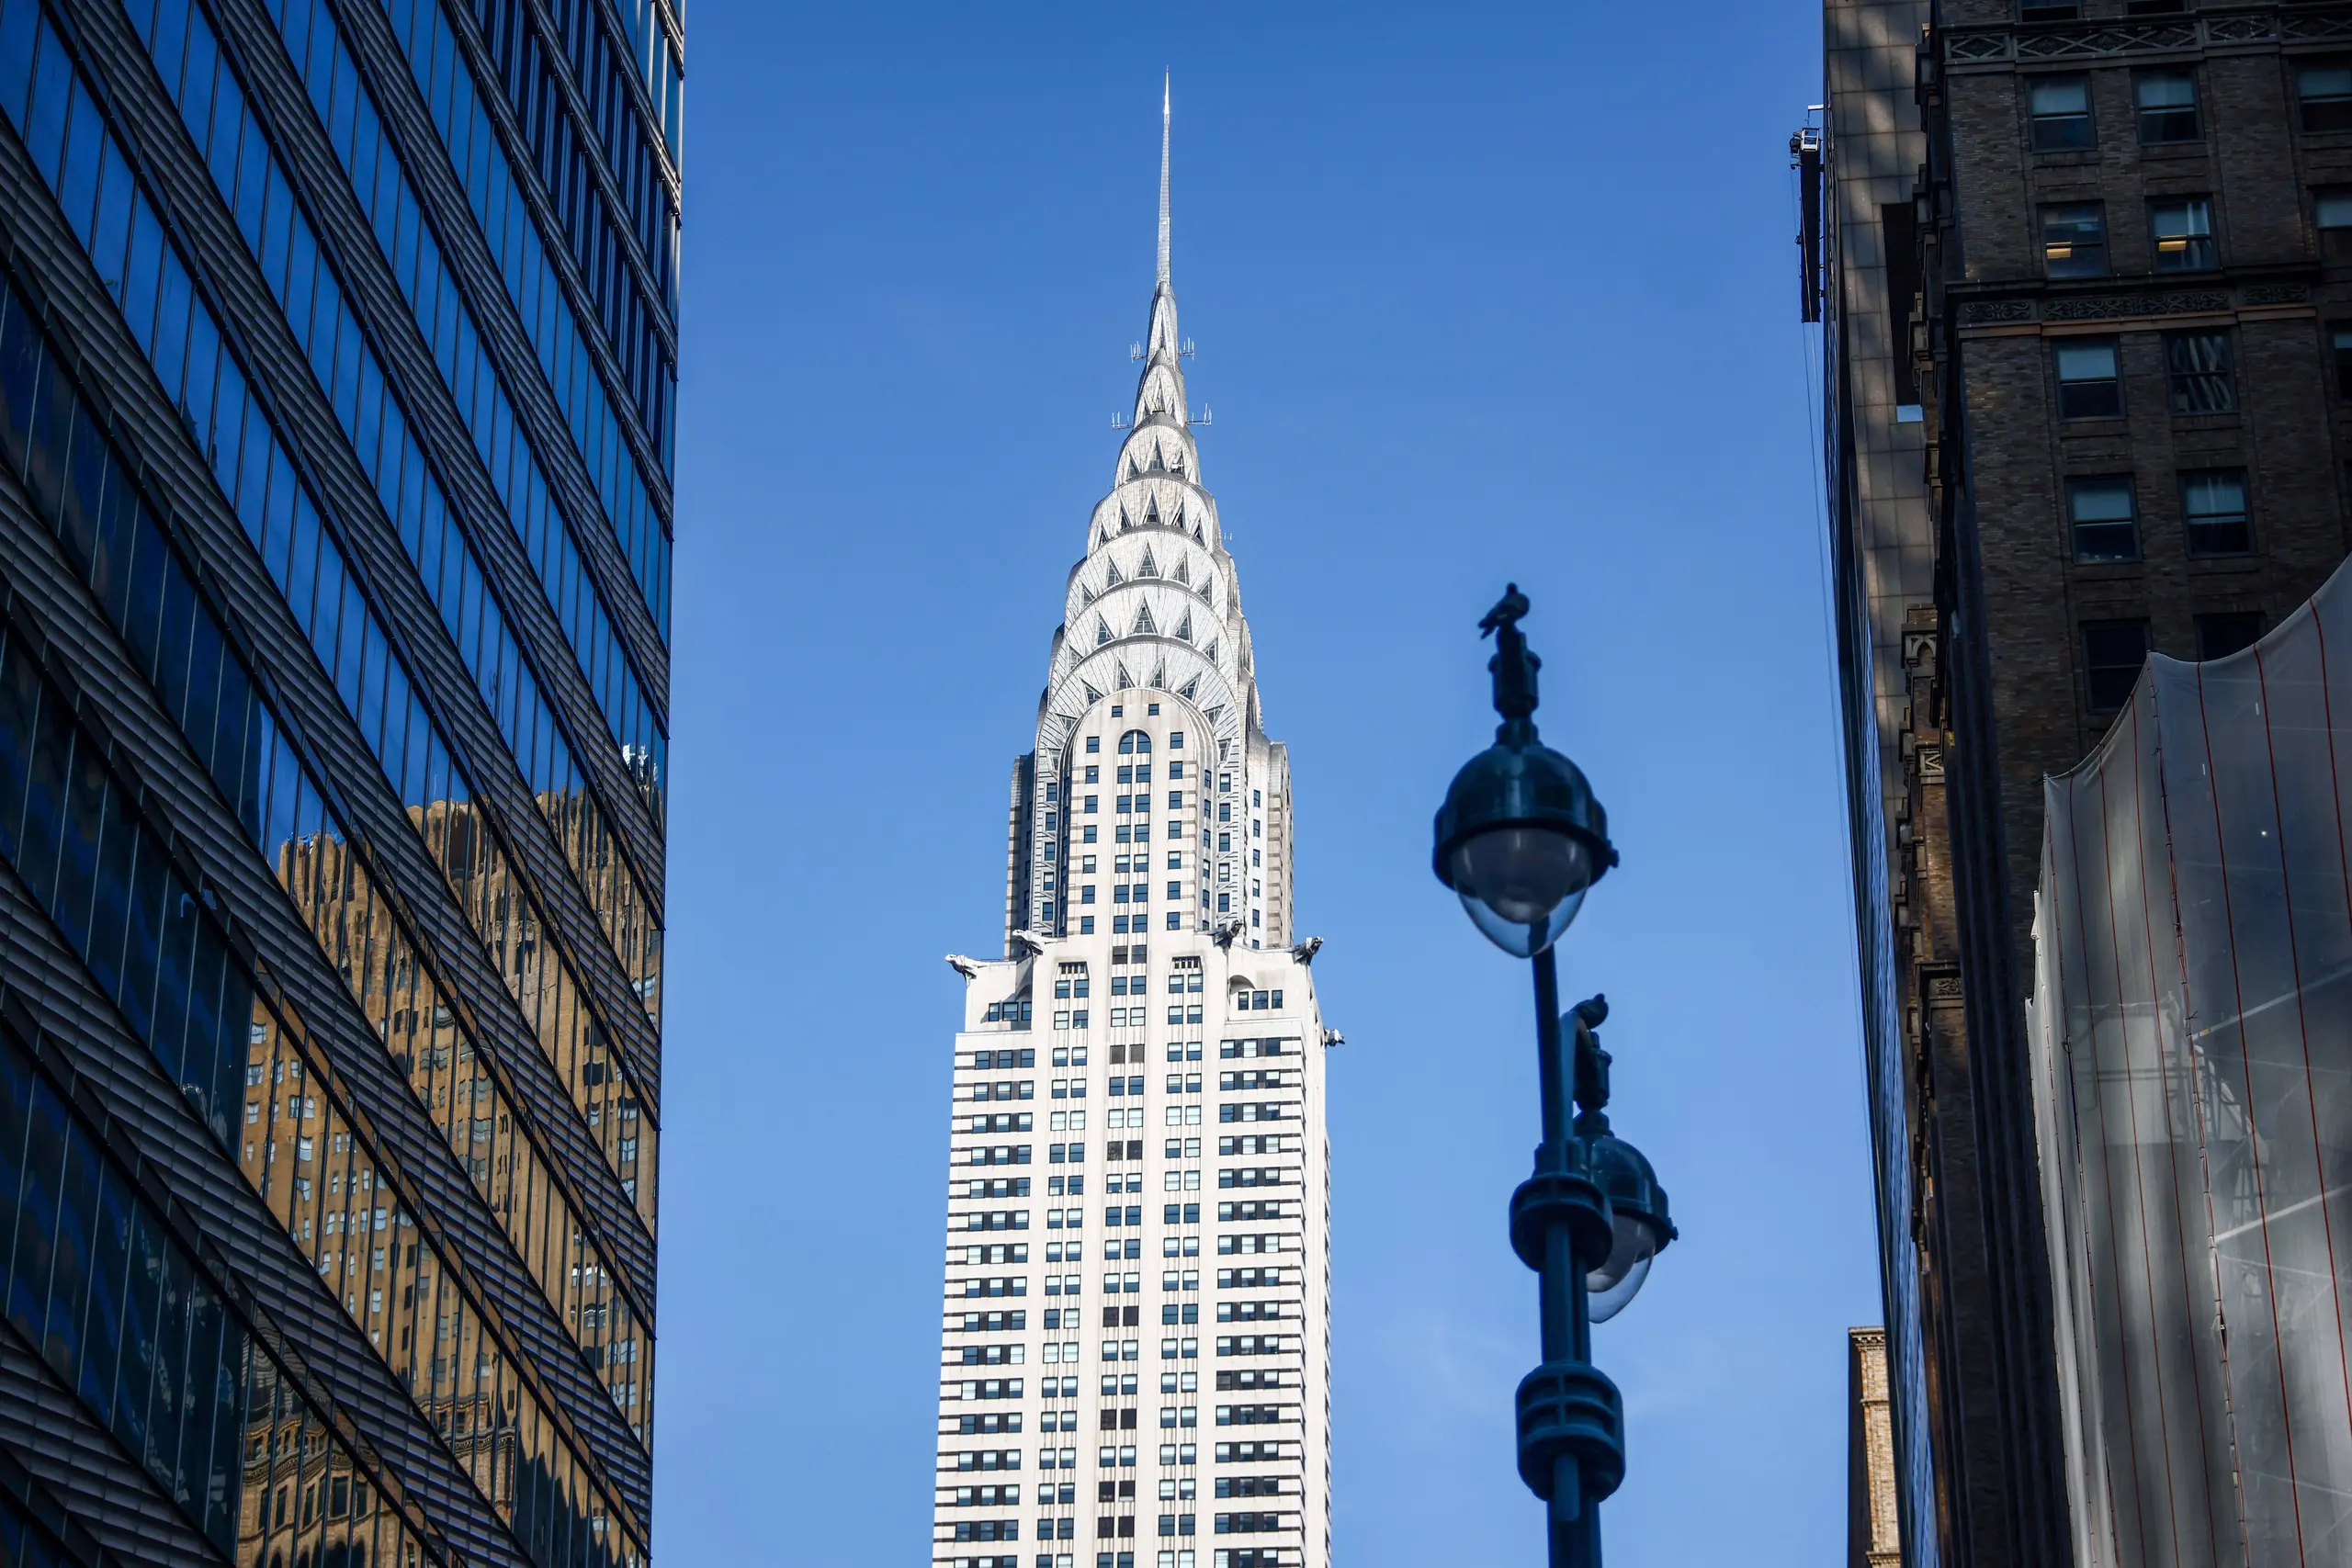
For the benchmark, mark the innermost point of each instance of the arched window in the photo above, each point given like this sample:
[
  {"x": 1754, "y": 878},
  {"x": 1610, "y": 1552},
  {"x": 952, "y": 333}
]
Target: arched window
[{"x": 1135, "y": 741}]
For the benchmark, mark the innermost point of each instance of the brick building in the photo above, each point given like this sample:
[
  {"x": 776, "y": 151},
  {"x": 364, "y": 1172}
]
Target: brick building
[
  {"x": 2083, "y": 274},
  {"x": 1873, "y": 1529}
]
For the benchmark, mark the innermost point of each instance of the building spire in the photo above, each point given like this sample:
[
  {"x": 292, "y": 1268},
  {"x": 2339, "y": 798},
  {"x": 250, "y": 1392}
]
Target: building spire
[{"x": 1163, "y": 181}]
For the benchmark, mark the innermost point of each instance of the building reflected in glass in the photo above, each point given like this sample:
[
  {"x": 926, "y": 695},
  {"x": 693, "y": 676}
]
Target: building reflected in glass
[{"x": 336, "y": 371}]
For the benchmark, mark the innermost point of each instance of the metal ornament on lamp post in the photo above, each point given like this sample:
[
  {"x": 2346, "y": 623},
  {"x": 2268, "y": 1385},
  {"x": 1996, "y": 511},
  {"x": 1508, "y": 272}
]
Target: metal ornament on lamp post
[{"x": 1521, "y": 840}]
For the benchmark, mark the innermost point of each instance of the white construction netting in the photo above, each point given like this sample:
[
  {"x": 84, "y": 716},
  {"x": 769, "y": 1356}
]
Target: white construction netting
[{"x": 2192, "y": 1043}]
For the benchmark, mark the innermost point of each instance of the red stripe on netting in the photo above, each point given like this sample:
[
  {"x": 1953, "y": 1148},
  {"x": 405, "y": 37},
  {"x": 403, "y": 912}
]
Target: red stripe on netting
[
  {"x": 2204, "y": 1127},
  {"x": 2344, "y": 866},
  {"x": 2172, "y": 1141},
  {"x": 2131, "y": 1110},
  {"x": 2107, "y": 1178},
  {"x": 2253, "y": 1141},
  {"x": 2303, "y": 1019},
  {"x": 2089, "y": 1299}
]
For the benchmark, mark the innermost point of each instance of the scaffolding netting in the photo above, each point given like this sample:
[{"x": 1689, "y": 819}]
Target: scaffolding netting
[{"x": 2191, "y": 1024}]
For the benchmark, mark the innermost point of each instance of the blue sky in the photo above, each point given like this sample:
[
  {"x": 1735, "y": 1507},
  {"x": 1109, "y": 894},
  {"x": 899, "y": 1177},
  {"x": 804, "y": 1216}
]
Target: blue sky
[{"x": 1482, "y": 292}]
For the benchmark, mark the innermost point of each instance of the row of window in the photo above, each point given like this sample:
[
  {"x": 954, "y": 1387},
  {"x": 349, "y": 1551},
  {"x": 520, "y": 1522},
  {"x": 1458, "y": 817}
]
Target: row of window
[
  {"x": 1140, "y": 833},
  {"x": 1126, "y": 773},
  {"x": 1174, "y": 1279},
  {"x": 1070, "y": 990},
  {"x": 1122, "y": 925},
  {"x": 2114, "y": 651},
  {"x": 1111, "y": 1528},
  {"x": 1117, "y": 1216},
  {"x": 1185, "y": 1149},
  {"x": 1184, "y": 980},
  {"x": 994, "y": 1187},
  {"x": 1135, "y": 1016},
  {"x": 2103, "y": 515},
  {"x": 2180, "y": 237},
  {"x": 1113, "y": 1251},
  {"x": 2180, "y": 232},
  {"x": 2165, "y": 109},
  {"x": 1129, "y": 804},
  {"x": 2164, "y": 101},
  {"x": 1243, "y": 1557},
  {"x": 1123, "y": 1457},
  {"x": 2200, "y": 374}
]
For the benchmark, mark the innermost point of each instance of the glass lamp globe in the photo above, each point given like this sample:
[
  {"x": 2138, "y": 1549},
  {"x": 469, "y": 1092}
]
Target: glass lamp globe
[
  {"x": 1521, "y": 840},
  {"x": 1641, "y": 1227},
  {"x": 1618, "y": 1280},
  {"x": 1522, "y": 883}
]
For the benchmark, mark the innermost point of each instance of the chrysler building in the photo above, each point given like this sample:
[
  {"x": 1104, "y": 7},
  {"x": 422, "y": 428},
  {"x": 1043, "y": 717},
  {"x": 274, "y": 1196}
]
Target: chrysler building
[{"x": 1134, "y": 1365}]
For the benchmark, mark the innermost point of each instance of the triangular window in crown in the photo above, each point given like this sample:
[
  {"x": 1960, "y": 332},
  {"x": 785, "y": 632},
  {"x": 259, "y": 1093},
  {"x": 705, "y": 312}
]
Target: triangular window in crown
[
  {"x": 1178, "y": 465},
  {"x": 1101, "y": 632},
  {"x": 1125, "y": 680},
  {"x": 1092, "y": 696},
  {"x": 1113, "y": 579},
  {"x": 1147, "y": 567},
  {"x": 1211, "y": 649},
  {"x": 1196, "y": 532},
  {"x": 1087, "y": 592},
  {"x": 1184, "y": 571},
  {"x": 1191, "y": 687},
  {"x": 1184, "y": 627},
  {"x": 1151, "y": 512},
  {"x": 1158, "y": 465},
  {"x": 1143, "y": 626},
  {"x": 1160, "y": 678},
  {"x": 1213, "y": 714}
]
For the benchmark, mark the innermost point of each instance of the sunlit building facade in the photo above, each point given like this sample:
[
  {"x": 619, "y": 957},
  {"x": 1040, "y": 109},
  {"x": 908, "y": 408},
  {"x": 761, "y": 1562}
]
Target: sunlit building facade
[
  {"x": 337, "y": 378},
  {"x": 1135, "y": 1347}
]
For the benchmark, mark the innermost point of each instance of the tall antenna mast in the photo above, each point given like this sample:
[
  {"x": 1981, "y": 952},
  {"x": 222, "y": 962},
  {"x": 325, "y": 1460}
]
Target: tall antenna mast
[{"x": 1163, "y": 181}]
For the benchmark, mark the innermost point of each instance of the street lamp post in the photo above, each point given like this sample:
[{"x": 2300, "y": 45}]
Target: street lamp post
[{"x": 1521, "y": 839}]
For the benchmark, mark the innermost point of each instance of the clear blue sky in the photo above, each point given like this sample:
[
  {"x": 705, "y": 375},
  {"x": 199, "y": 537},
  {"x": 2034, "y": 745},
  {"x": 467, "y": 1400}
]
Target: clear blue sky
[{"x": 1482, "y": 292}]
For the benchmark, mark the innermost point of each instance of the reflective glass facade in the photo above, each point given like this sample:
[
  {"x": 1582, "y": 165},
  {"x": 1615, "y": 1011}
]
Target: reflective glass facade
[{"x": 337, "y": 380}]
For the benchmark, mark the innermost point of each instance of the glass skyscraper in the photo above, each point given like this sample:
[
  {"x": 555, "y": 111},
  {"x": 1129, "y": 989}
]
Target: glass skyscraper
[{"x": 337, "y": 390}]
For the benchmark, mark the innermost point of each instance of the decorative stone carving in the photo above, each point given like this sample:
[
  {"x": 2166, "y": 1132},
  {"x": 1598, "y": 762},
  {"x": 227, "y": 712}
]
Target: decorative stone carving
[{"x": 2104, "y": 307}]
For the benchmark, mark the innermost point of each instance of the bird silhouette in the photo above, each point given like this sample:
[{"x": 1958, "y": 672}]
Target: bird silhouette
[{"x": 1507, "y": 611}]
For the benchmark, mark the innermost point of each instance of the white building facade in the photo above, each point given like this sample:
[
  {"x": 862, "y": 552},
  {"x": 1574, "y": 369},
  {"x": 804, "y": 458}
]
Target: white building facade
[{"x": 1134, "y": 1365}]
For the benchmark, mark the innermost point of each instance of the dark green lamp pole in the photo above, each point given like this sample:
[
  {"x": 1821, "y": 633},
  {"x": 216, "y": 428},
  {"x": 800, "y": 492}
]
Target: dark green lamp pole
[{"x": 1521, "y": 839}]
